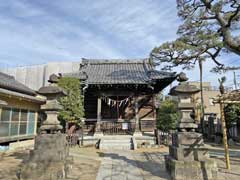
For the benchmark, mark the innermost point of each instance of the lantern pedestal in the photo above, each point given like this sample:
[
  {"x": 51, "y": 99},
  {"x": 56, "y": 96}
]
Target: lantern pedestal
[{"x": 48, "y": 160}]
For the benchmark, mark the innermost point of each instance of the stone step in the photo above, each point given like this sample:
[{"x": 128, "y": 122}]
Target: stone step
[
  {"x": 117, "y": 137},
  {"x": 115, "y": 148},
  {"x": 116, "y": 143},
  {"x": 109, "y": 147}
]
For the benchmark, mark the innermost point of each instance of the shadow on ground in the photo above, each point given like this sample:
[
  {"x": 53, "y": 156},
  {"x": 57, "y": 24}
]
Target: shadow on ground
[
  {"x": 10, "y": 164},
  {"x": 151, "y": 165}
]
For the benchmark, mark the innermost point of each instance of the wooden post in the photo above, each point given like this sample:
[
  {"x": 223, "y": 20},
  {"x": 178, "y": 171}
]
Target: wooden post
[
  {"x": 154, "y": 107},
  {"x": 117, "y": 109},
  {"x": 224, "y": 135}
]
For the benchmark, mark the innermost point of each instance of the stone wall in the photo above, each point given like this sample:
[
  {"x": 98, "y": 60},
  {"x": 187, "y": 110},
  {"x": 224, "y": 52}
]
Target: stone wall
[{"x": 36, "y": 76}]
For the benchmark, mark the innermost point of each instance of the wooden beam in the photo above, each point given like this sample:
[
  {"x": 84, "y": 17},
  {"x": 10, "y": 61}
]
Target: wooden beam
[{"x": 116, "y": 93}]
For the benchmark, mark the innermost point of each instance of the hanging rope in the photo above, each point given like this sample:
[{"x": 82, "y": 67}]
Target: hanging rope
[{"x": 115, "y": 102}]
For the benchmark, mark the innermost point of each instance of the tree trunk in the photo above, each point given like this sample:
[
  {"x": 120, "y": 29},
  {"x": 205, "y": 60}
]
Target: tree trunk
[{"x": 202, "y": 99}]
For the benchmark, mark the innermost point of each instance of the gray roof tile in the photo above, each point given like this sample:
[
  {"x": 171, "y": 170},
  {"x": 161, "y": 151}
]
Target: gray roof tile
[
  {"x": 118, "y": 72},
  {"x": 8, "y": 82}
]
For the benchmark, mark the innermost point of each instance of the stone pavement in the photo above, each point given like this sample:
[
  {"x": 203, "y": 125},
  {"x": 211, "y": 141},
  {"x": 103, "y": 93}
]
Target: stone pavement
[
  {"x": 130, "y": 165},
  {"x": 139, "y": 164}
]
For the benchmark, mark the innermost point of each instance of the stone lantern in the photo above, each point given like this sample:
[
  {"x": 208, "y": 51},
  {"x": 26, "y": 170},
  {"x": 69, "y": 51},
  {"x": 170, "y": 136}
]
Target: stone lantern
[
  {"x": 52, "y": 106},
  {"x": 50, "y": 158},
  {"x": 184, "y": 91},
  {"x": 188, "y": 158}
]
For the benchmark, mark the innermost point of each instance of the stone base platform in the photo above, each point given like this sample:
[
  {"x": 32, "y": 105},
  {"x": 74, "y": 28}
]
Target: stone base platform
[
  {"x": 49, "y": 160},
  {"x": 197, "y": 170},
  {"x": 43, "y": 171},
  {"x": 189, "y": 154}
]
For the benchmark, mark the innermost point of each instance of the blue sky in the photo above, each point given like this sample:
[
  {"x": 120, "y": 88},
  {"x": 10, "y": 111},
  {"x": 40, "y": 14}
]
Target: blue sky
[{"x": 40, "y": 31}]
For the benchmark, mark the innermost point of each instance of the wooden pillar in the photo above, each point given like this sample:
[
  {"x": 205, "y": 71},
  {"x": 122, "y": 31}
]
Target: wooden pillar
[
  {"x": 154, "y": 107},
  {"x": 99, "y": 116},
  {"x": 225, "y": 142}
]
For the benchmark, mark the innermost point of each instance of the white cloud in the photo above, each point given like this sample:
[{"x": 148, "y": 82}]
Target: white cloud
[{"x": 34, "y": 32}]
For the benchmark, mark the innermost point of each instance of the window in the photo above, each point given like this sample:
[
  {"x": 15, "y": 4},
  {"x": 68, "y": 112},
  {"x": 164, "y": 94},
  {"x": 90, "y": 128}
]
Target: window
[
  {"x": 15, "y": 122},
  {"x": 4, "y": 122},
  {"x": 5, "y": 115},
  {"x": 31, "y": 122},
  {"x": 23, "y": 122}
]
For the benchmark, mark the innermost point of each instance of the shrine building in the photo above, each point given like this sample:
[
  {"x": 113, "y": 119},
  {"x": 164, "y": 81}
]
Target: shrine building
[{"x": 120, "y": 95}]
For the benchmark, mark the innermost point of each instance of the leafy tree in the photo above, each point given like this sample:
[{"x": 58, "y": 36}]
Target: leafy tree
[
  {"x": 219, "y": 16},
  {"x": 232, "y": 114},
  {"x": 167, "y": 115},
  {"x": 72, "y": 104},
  {"x": 209, "y": 28}
]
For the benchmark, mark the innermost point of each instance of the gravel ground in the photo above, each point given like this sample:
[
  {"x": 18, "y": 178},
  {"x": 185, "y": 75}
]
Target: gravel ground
[
  {"x": 85, "y": 167},
  {"x": 87, "y": 162}
]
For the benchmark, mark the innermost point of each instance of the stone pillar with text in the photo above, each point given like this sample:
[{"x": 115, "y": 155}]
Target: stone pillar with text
[
  {"x": 50, "y": 158},
  {"x": 137, "y": 131},
  {"x": 188, "y": 158},
  {"x": 98, "y": 131}
]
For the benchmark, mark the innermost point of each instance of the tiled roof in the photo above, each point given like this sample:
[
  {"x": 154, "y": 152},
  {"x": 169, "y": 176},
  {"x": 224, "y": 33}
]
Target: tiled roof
[
  {"x": 9, "y": 83},
  {"x": 118, "y": 72}
]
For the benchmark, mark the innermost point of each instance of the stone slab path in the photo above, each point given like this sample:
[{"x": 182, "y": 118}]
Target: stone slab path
[{"x": 130, "y": 165}]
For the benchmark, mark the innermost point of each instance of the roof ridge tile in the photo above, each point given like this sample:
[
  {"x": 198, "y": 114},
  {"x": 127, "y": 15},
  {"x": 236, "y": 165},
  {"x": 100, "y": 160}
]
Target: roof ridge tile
[{"x": 113, "y": 61}]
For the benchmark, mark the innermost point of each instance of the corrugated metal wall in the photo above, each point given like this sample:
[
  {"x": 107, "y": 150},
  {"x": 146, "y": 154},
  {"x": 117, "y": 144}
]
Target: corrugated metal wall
[{"x": 36, "y": 76}]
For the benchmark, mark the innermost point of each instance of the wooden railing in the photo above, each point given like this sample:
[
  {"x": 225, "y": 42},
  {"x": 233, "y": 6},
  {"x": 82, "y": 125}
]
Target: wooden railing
[
  {"x": 122, "y": 128},
  {"x": 147, "y": 125}
]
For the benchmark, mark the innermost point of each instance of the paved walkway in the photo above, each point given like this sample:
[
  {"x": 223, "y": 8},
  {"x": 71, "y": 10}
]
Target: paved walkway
[{"x": 130, "y": 165}]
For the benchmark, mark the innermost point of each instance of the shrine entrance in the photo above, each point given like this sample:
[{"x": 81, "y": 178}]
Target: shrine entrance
[
  {"x": 117, "y": 128},
  {"x": 117, "y": 115}
]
